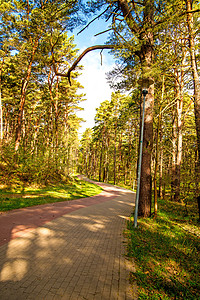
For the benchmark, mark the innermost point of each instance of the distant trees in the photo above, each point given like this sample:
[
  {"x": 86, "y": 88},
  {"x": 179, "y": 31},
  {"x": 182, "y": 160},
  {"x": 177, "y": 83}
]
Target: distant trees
[{"x": 110, "y": 151}]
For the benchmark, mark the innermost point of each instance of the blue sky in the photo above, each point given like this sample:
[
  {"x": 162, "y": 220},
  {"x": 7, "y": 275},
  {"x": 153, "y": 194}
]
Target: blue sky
[{"x": 93, "y": 76}]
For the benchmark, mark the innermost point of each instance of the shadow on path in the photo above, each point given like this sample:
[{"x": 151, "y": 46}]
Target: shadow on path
[{"x": 78, "y": 255}]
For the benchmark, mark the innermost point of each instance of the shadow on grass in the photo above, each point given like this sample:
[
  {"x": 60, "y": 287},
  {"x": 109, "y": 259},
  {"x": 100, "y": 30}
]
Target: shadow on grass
[
  {"x": 31, "y": 196},
  {"x": 167, "y": 258}
]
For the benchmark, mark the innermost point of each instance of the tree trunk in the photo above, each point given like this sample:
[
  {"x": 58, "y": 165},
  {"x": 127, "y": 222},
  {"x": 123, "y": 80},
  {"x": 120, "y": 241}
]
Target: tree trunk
[
  {"x": 197, "y": 183},
  {"x": 190, "y": 24},
  {"x": 23, "y": 97},
  {"x": 56, "y": 121},
  {"x": 146, "y": 55},
  {"x": 173, "y": 167},
  {"x": 115, "y": 146},
  {"x": 101, "y": 157},
  {"x": 157, "y": 153},
  {"x": 179, "y": 108},
  {"x": 144, "y": 207},
  {"x": 1, "y": 115},
  {"x": 120, "y": 158},
  {"x": 160, "y": 191},
  {"x": 196, "y": 84},
  {"x": 1, "y": 108}
]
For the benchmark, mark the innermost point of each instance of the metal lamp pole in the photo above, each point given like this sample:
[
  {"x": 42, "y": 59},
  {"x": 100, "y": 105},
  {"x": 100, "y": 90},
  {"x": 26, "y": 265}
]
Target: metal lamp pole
[
  {"x": 144, "y": 93},
  {"x": 1, "y": 115}
]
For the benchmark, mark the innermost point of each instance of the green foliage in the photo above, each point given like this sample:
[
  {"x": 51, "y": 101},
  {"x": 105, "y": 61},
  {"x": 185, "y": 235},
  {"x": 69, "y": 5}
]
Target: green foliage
[
  {"x": 108, "y": 152},
  {"x": 166, "y": 252},
  {"x": 18, "y": 197},
  {"x": 23, "y": 168},
  {"x": 39, "y": 107}
]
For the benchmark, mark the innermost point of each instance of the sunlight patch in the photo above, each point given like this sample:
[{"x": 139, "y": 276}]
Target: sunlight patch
[
  {"x": 94, "y": 227},
  {"x": 14, "y": 271}
]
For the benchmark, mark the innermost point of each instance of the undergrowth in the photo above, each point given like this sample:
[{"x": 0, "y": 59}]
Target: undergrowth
[
  {"x": 166, "y": 253},
  {"x": 18, "y": 196}
]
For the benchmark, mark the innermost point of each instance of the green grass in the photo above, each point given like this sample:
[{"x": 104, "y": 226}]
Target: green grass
[
  {"x": 19, "y": 197},
  {"x": 166, "y": 253},
  {"x": 119, "y": 184}
]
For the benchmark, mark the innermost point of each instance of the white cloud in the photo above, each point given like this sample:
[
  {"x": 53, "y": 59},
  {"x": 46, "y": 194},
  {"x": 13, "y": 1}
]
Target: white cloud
[{"x": 96, "y": 88}]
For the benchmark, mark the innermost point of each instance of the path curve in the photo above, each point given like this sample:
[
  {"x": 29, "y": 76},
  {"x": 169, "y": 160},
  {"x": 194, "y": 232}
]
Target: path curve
[
  {"x": 17, "y": 222},
  {"x": 67, "y": 250}
]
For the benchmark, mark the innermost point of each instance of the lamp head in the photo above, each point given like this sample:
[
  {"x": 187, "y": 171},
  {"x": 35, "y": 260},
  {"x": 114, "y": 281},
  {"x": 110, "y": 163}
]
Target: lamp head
[
  {"x": 144, "y": 92},
  {"x": 145, "y": 84}
]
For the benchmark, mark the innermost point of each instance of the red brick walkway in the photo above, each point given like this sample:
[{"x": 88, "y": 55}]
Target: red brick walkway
[
  {"x": 67, "y": 250},
  {"x": 17, "y": 222}
]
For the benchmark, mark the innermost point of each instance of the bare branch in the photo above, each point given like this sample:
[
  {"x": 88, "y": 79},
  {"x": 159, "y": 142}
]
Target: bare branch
[
  {"x": 93, "y": 21},
  {"x": 97, "y": 47},
  {"x": 134, "y": 7},
  {"x": 103, "y": 31},
  {"x": 114, "y": 12}
]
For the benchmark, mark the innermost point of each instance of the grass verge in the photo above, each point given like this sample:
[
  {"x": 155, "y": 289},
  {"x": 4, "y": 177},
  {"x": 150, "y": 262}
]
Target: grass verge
[
  {"x": 18, "y": 197},
  {"x": 166, "y": 253}
]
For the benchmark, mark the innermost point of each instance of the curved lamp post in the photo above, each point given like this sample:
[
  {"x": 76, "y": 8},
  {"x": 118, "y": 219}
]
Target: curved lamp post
[{"x": 145, "y": 83}]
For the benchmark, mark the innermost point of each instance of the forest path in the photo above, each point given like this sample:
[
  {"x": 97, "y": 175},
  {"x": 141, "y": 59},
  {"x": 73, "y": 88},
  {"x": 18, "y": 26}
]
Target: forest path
[{"x": 67, "y": 250}]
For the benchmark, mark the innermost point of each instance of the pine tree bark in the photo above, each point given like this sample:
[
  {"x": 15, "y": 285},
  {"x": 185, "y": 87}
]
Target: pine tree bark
[
  {"x": 190, "y": 24},
  {"x": 196, "y": 84},
  {"x": 179, "y": 108},
  {"x": 157, "y": 153},
  {"x": 23, "y": 96},
  {"x": 115, "y": 150},
  {"x": 173, "y": 165},
  {"x": 146, "y": 55},
  {"x": 144, "y": 207},
  {"x": 1, "y": 114},
  {"x": 160, "y": 190}
]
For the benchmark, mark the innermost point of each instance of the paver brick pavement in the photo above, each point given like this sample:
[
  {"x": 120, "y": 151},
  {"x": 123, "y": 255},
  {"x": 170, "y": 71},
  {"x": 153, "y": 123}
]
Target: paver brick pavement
[{"x": 77, "y": 256}]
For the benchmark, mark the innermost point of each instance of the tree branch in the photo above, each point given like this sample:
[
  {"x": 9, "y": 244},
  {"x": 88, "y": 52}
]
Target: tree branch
[
  {"x": 166, "y": 19},
  {"x": 97, "y": 47},
  {"x": 128, "y": 16},
  {"x": 93, "y": 21},
  {"x": 103, "y": 31}
]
